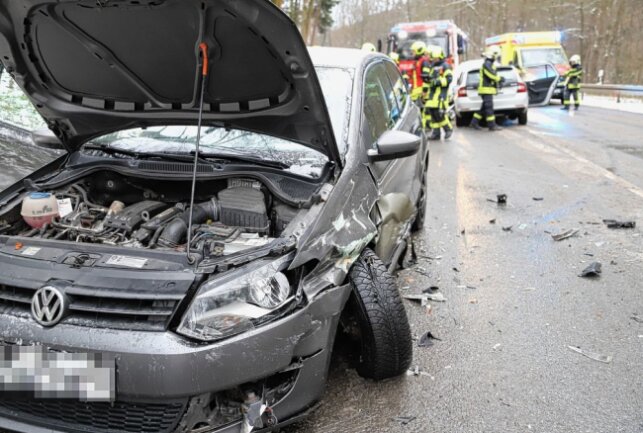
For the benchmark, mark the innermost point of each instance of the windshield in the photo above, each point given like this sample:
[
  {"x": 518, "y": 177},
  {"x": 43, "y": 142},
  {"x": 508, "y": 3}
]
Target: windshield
[
  {"x": 181, "y": 139},
  {"x": 541, "y": 56},
  {"x": 404, "y": 46},
  {"x": 336, "y": 85},
  {"x": 509, "y": 74}
]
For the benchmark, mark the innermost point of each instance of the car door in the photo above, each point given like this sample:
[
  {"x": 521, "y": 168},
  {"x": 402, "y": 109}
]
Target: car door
[
  {"x": 386, "y": 106},
  {"x": 540, "y": 81}
]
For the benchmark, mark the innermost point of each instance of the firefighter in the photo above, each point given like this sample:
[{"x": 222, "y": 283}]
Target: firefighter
[
  {"x": 419, "y": 51},
  {"x": 436, "y": 85},
  {"x": 573, "y": 77},
  {"x": 487, "y": 88},
  {"x": 369, "y": 47}
]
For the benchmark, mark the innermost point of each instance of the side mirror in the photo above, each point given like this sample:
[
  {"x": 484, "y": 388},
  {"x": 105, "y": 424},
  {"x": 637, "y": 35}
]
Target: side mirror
[
  {"x": 395, "y": 145},
  {"x": 44, "y": 137}
]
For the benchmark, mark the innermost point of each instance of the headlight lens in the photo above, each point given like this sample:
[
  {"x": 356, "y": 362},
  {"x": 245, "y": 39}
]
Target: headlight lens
[{"x": 237, "y": 302}]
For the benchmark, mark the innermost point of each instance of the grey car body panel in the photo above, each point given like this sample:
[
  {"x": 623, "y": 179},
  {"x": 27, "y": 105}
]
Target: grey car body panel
[
  {"x": 94, "y": 67},
  {"x": 163, "y": 365}
]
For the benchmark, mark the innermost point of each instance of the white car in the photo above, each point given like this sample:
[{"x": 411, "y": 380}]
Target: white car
[{"x": 512, "y": 100}]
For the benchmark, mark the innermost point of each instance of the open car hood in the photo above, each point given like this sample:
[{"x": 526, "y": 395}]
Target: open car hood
[{"x": 95, "y": 66}]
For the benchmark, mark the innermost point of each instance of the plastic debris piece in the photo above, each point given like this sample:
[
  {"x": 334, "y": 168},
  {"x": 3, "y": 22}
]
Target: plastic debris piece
[
  {"x": 455, "y": 269},
  {"x": 403, "y": 420},
  {"x": 493, "y": 221},
  {"x": 614, "y": 224},
  {"x": 637, "y": 319},
  {"x": 426, "y": 340},
  {"x": 507, "y": 229},
  {"x": 538, "y": 198},
  {"x": 502, "y": 198},
  {"x": 431, "y": 289},
  {"x": 425, "y": 297},
  {"x": 497, "y": 346},
  {"x": 606, "y": 359},
  {"x": 565, "y": 235},
  {"x": 592, "y": 271},
  {"x": 522, "y": 226},
  {"x": 473, "y": 301}
]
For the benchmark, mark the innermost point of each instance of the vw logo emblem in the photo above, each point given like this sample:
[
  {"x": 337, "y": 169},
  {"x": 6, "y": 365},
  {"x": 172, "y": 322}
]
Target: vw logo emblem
[{"x": 48, "y": 306}]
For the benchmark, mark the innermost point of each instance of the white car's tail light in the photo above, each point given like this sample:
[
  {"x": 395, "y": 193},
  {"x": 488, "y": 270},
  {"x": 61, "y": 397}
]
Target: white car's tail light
[
  {"x": 462, "y": 92},
  {"x": 522, "y": 88}
]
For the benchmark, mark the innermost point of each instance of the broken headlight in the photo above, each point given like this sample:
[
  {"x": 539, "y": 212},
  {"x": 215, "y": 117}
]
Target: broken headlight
[{"x": 239, "y": 301}]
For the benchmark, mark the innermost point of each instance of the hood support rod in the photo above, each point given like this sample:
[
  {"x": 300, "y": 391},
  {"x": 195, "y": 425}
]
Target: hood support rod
[{"x": 203, "y": 47}]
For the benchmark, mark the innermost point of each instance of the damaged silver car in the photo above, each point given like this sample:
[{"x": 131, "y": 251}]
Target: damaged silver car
[{"x": 229, "y": 204}]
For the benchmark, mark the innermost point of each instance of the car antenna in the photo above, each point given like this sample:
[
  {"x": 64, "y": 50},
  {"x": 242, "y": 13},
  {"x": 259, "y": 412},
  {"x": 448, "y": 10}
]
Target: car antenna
[{"x": 203, "y": 47}]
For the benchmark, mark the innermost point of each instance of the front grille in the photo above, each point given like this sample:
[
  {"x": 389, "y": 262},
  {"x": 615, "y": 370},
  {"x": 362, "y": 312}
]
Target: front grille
[
  {"x": 77, "y": 416},
  {"x": 98, "y": 308}
]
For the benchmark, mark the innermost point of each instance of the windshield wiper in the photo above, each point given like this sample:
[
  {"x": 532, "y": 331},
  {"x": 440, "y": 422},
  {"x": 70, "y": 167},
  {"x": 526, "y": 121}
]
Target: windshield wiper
[
  {"x": 140, "y": 155},
  {"x": 226, "y": 157}
]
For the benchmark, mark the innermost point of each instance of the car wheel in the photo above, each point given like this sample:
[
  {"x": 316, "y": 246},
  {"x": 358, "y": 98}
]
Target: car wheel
[
  {"x": 385, "y": 334},
  {"x": 459, "y": 121},
  {"x": 522, "y": 118}
]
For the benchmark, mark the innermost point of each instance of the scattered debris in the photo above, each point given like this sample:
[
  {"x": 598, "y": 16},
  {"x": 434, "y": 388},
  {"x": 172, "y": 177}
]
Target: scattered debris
[
  {"x": 463, "y": 231},
  {"x": 425, "y": 297},
  {"x": 426, "y": 339},
  {"x": 497, "y": 346},
  {"x": 522, "y": 226},
  {"x": 507, "y": 229},
  {"x": 538, "y": 198},
  {"x": 614, "y": 224},
  {"x": 466, "y": 287},
  {"x": 417, "y": 372},
  {"x": 593, "y": 270},
  {"x": 636, "y": 319},
  {"x": 530, "y": 289},
  {"x": 591, "y": 355},
  {"x": 456, "y": 269},
  {"x": 565, "y": 235},
  {"x": 502, "y": 198},
  {"x": 431, "y": 289},
  {"x": 493, "y": 221},
  {"x": 403, "y": 420},
  {"x": 599, "y": 244},
  {"x": 473, "y": 301}
]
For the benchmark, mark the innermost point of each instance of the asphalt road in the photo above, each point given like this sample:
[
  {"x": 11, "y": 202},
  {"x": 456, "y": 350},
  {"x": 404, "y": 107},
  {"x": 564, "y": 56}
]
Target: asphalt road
[{"x": 503, "y": 363}]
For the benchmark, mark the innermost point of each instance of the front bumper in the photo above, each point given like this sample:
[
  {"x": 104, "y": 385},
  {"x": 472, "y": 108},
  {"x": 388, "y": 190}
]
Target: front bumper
[{"x": 157, "y": 367}]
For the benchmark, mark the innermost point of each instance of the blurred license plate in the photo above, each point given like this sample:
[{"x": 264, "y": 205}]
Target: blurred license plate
[{"x": 48, "y": 374}]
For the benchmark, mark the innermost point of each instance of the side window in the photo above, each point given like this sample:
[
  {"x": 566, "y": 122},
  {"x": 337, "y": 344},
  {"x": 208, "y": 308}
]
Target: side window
[
  {"x": 380, "y": 108},
  {"x": 399, "y": 86}
]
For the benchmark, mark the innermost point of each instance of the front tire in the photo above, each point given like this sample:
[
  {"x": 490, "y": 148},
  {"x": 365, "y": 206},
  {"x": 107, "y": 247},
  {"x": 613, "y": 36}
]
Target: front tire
[
  {"x": 385, "y": 334},
  {"x": 522, "y": 118}
]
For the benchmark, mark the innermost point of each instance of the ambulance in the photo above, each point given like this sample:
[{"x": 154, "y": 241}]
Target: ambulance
[{"x": 531, "y": 52}]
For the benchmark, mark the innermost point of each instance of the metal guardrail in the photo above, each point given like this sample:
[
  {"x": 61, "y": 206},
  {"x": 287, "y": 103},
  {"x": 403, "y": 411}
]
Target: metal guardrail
[{"x": 614, "y": 91}]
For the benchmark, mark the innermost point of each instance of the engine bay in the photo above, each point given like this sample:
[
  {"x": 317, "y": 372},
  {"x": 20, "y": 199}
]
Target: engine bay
[{"x": 229, "y": 215}]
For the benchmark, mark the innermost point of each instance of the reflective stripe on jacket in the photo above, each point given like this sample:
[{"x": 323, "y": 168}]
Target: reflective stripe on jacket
[
  {"x": 489, "y": 79},
  {"x": 438, "y": 86},
  {"x": 573, "y": 77}
]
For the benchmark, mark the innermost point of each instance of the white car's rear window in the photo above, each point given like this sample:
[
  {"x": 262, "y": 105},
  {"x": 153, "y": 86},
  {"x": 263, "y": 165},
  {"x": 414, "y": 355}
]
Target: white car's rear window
[{"x": 510, "y": 75}]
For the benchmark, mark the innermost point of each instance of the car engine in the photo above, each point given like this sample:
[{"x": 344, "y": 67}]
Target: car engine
[{"x": 236, "y": 217}]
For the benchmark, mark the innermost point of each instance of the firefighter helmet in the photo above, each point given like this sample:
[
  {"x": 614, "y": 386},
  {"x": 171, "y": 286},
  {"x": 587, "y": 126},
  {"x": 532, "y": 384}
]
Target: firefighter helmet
[
  {"x": 369, "y": 47},
  {"x": 437, "y": 53},
  {"x": 418, "y": 48},
  {"x": 492, "y": 53},
  {"x": 575, "y": 60}
]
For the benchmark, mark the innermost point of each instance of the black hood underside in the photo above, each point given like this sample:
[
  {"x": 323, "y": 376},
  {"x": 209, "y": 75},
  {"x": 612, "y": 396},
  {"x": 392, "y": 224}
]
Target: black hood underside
[{"x": 96, "y": 66}]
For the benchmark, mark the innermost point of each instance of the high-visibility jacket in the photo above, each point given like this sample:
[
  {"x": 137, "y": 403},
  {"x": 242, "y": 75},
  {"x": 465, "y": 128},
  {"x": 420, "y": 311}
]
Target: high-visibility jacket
[
  {"x": 437, "y": 87},
  {"x": 489, "y": 78},
  {"x": 416, "y": 79},
  {"x": 573, "y": 77}
]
